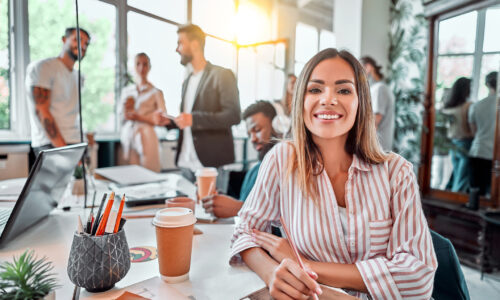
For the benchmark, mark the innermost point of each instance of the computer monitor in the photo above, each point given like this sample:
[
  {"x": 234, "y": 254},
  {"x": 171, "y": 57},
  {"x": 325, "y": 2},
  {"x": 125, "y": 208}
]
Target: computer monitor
[{"x": 44, "y": 187}]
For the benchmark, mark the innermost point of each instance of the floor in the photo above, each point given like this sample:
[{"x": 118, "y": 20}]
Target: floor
[{"x": 485, "y": 289}]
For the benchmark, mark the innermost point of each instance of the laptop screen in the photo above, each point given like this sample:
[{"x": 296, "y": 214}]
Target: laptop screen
[{"x": 44, "y": 187}]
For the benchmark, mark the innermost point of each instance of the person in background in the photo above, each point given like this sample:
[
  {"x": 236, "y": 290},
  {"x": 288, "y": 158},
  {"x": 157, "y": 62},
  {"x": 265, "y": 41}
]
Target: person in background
[
  {"x": 282, "y": 122},
  {"x": 138, "y": 105},
  {"x": 456, "y": 107},
  {"x": 52, "y": 89},
  {"x": 353, "y": 211},
  {"x": 382, "y": 102},
  {"x": 482, "y": 116},
  {"x": 258, "y": 118},
  {"x": 210, "y": 106}
]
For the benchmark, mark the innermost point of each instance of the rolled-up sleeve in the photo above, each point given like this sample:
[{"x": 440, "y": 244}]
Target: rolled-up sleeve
[
  {"x": 407, "y": 270},
  {"x": 261, "y": 207}
]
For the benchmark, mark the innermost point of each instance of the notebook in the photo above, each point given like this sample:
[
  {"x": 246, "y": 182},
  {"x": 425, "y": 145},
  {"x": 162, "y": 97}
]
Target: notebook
[{"x": 129, "y": 175}]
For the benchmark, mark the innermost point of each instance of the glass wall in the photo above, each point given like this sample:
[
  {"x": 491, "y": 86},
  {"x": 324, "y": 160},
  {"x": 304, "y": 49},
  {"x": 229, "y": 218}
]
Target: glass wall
[
  {"x": 47, "y": 22},
  {"x": 4, "y": 66}
]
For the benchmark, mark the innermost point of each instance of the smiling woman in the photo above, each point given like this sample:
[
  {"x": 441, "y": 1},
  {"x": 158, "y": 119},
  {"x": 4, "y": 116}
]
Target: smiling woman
[{"x": 353, "y": 211}]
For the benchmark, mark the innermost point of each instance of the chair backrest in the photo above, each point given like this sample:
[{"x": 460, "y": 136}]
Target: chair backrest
[{"x": 449, "y": 281}]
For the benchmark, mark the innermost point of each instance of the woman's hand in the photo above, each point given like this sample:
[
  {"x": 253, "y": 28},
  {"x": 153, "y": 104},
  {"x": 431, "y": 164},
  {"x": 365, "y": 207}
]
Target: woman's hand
[
  {"x": 221, "y": 206},
  {"x": 159, "y": 118},
  {"x": 277, "y": 247},
  {"x": 132, "y": 115},
  {"x": 289, "y": 281}
]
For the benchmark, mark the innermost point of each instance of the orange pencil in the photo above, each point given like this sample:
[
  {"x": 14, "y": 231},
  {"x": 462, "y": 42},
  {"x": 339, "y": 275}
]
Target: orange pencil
[
  {"x": 119, "y": 215},
  {"x": 105, "y": 215}
]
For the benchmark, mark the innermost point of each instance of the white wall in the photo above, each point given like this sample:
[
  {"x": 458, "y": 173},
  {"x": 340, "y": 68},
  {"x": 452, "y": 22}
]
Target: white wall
[
  {"x": 375, "y": 30},
  {"x": 347, "y": 20},
  {"x": 362, "y": 27}
]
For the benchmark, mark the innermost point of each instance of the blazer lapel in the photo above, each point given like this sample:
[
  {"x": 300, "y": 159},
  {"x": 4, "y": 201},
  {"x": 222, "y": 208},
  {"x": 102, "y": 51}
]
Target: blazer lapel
[
  {"x": 184, "y": 87},
  {"x": 202, "y": 82}
]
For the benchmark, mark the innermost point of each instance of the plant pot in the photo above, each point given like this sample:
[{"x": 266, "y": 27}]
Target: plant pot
[
  {"x": 50, "y": 296},
  {"x": 96, "y": 263}
]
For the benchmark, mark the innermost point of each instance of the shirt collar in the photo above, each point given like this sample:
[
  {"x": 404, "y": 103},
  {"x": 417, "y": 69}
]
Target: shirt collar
[{"x": 359, "y": 164}]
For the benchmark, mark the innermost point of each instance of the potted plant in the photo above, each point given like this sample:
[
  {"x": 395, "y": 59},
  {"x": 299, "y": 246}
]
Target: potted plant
[
  {"x": 78, "y": 186},
  {"x": 27, "y": 277}
]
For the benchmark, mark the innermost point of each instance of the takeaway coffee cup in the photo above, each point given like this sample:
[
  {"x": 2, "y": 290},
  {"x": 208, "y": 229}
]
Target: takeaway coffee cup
[
  {"x": 174, "y": 239},
  {"x": 205, "y": 179},
  {"x": 181, "y": 202}
]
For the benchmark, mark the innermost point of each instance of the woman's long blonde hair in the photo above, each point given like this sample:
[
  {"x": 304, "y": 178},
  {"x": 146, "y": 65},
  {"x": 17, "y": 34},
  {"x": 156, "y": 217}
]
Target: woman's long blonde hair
[{"x": 307, "y": 160}]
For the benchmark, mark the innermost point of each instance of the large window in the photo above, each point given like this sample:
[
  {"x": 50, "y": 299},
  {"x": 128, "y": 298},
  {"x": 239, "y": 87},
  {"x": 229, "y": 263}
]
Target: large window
[
  {"x": 4, "y": 66},
  {"x": 47, "y": 21},
  {"x": 166, "y": 71},
  {"x": 121, "y": 29},
  {"x": 308, "y": 42},
  {"x": 468, "y": 47}
]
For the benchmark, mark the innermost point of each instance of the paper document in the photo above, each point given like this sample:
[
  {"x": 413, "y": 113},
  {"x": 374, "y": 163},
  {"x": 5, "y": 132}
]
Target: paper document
[
  {"x": 153, "y": 288},
  {"x": 11, "y": 189},
  {"x": 129, "y": 175}
]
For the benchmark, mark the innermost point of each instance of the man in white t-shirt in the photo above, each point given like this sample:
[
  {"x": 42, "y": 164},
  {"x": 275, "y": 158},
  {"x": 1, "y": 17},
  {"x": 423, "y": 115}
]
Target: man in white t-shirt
[
  {"x": 52, "y": 89},
  {"x": 382, "y": 103},
  {"x": 210, "y": 106},
  {"x": 482, "y": 118}
]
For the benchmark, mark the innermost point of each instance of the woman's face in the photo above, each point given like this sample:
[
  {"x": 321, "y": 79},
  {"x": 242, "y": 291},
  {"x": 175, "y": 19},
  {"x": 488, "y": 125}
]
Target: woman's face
[
  {"x": 331, "y": 99},
  {"x": 142, "y": 66}
]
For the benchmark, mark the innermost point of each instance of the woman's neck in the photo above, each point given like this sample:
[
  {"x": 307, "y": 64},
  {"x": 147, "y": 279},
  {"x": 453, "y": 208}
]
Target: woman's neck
[{"x": 335, "y": 157}]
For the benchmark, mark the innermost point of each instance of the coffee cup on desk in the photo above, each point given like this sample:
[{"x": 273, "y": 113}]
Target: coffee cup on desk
[
  {"x": 181, "y": 202},
  {"x": 174, "y": 239},
  {"x": 205, "y": 179}
]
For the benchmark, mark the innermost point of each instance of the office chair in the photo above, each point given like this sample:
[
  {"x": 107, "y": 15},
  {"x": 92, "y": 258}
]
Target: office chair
[{"x": 449, "y": 281}]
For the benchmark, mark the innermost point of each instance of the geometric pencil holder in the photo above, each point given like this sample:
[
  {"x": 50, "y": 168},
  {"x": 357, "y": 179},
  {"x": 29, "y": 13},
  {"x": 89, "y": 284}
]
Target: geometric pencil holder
[{"x": 96, "y": 263}]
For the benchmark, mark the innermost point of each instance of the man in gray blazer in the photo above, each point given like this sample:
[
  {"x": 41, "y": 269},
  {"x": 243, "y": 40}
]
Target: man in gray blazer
[{"x": 210, "y": 106}]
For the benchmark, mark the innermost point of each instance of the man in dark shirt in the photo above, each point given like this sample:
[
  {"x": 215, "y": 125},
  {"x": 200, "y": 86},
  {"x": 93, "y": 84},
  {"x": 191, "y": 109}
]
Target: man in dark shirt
[{"x": 258, "y": 118}]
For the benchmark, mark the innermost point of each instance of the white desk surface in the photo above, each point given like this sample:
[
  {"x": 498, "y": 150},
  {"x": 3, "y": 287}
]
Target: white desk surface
[{"x": 211, "y": 276}]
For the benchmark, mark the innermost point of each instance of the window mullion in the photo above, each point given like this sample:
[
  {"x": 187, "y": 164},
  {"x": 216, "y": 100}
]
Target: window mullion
[
  {"x": 19, "y": 58},
  {"x": 478, "y": 53}
]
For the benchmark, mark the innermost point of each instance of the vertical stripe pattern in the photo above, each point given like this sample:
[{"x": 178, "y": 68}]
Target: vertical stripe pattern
[{"x": 387, "y": 236}]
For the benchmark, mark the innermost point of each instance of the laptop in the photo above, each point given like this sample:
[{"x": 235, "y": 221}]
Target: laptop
[{"x": 44, "y": 187}]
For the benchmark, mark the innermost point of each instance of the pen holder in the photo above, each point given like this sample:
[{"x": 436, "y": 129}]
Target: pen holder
[{"x": 96, "y": 263}]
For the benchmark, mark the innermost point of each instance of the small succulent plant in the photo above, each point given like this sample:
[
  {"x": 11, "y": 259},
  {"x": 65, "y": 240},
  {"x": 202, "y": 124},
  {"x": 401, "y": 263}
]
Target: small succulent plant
[{"x": 27, "y": 277}]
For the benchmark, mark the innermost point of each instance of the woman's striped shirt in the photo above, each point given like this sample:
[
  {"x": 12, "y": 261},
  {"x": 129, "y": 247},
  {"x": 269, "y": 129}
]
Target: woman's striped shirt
[{"x": 387, "y": 236}]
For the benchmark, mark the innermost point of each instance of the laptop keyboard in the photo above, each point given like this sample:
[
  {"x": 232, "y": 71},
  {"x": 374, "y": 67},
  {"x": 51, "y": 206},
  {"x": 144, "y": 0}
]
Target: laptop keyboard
[{"x": 4, "y": 217}]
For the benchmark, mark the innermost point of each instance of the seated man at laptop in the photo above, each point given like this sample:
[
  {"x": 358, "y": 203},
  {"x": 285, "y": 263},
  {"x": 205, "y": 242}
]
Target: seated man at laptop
[{"x": 258, "y": 118}]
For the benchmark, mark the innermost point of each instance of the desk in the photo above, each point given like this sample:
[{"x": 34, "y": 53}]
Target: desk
[
  {"x": 210, "y": 270},
  {"x": 211, "y": 276}
]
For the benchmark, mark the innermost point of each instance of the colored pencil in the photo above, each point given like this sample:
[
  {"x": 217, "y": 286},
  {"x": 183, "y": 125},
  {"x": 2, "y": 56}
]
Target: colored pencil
[
  {"x": 119, "y": 215},
  {"x": 105, "y": 215}
]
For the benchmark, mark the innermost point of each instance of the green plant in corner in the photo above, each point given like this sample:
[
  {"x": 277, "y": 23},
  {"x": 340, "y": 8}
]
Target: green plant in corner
[
  {"x": 407, "y": 53},
  {"x": 27, "y": 277}
]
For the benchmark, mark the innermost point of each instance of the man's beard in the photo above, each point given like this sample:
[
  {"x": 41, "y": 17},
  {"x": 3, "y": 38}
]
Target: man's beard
[
  {"x": 265, "y": 149},
  {"x": 185, "y": 59},
  {"x": 72, "y": 55}
]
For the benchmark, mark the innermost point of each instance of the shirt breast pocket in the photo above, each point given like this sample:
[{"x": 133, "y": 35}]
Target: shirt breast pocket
[{"x": 380, "y": 231}]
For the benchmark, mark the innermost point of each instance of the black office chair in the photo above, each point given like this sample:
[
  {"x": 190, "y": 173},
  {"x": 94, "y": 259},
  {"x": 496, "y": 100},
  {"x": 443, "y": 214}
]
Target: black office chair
[{"x": 449, "y": 281}]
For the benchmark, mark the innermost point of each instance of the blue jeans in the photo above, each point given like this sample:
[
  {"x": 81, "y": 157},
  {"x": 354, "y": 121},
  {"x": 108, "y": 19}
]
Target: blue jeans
[{"x": 460, "y": 162}]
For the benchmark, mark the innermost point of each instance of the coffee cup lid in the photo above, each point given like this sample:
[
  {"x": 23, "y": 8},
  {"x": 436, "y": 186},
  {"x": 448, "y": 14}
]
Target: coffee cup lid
[
  {"x": 174, "y": 217},
  {"x": 206, "y": 172}
]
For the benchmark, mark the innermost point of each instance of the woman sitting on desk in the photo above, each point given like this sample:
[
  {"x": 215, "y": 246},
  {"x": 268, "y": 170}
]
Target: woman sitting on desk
[
  {"x": 353, "y": 211},
  {"x": 139, "y": 102}
]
